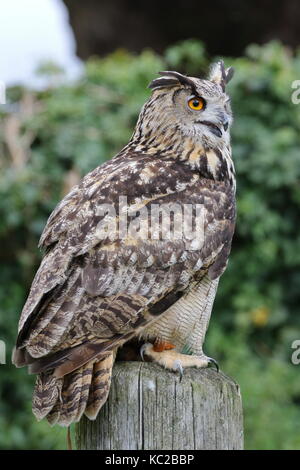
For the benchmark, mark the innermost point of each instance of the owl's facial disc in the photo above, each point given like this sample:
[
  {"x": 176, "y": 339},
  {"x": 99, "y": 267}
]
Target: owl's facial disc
[
  {"x": 197, "y": 103},
  {"x": 205, "y": 114}
]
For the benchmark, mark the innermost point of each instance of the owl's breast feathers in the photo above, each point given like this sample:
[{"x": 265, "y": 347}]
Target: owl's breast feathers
[{"x": 90, "y": 289}]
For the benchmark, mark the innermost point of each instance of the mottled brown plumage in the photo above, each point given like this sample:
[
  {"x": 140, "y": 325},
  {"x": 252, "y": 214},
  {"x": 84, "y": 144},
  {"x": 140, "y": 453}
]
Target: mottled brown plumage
[{"x": 94, "y": 292}]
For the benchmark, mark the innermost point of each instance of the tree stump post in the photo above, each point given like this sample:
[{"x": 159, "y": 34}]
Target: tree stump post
[{"x": 150, "y": 409}]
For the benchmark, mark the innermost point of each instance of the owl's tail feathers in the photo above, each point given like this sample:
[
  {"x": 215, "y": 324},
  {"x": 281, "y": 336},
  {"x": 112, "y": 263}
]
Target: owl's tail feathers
[
  {"x": 63, "y": 400},
  {"x": 100, "y": 386}
]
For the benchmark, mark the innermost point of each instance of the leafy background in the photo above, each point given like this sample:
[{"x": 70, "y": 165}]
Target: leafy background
[{"x": 50, "y": 139}]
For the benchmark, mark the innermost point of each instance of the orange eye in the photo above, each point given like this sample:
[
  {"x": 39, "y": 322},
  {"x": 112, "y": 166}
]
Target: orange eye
[{"x": 196, "y": 103}]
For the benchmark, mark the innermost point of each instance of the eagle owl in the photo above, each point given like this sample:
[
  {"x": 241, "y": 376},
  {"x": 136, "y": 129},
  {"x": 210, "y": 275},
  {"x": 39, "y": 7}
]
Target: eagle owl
[{"x": 94, "y": 292}]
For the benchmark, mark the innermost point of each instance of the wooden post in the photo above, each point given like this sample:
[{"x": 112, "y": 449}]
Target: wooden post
[{"x": 149, "y": 408}]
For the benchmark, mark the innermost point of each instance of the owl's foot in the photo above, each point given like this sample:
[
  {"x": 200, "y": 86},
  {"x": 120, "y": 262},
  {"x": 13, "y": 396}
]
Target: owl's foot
[{"x": 173, "y": 360}]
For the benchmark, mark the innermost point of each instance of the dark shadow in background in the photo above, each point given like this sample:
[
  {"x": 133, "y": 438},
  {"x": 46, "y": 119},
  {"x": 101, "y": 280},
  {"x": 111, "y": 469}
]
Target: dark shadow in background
[{"x": 225, "y": 26}]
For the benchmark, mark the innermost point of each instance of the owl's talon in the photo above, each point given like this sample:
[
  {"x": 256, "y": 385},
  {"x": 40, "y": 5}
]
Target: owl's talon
[
  {"x": 213, "y": 363},
  {"x": 143, "y": 350},
  {"x": 178, "y": 367}
]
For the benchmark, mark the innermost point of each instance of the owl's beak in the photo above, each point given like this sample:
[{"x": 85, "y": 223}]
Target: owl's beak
[
  {"x": 225, "y": 121},
  {"x": 214, "y": 129}
]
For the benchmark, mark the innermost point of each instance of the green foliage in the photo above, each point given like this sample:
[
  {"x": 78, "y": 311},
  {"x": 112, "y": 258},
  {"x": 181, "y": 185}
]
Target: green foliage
[{"x": 49, "y": 139}]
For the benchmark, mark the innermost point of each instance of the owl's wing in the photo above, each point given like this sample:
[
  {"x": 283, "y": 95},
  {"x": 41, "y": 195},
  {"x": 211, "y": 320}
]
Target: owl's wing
[{"x": 91, "y": 293}]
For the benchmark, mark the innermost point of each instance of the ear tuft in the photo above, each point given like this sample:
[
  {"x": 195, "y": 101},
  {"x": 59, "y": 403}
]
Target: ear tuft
[
  {"x": 229, "y": 74},
  {"x": 163, "y": 82},
  {"x": 219, "y": 75},
  {"x": 171, "y": 78}
]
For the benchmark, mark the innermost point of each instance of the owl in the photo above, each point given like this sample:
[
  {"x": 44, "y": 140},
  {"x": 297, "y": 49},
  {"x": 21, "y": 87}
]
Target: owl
[{"x": 135, "y": 252}]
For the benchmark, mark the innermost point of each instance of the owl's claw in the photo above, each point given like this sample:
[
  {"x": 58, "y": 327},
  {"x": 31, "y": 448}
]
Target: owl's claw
[
  {"x": 213, "y": 363},
  {"x": 143, "y": 350},
  {"x": 178, "y": 366}
]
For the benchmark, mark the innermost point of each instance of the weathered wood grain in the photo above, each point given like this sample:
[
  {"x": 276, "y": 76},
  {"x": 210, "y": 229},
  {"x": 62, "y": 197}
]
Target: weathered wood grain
[{"x": 148, "y": 408}]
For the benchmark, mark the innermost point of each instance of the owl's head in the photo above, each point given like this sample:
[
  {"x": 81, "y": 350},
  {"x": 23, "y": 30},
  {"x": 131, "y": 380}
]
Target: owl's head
[{"x": 190, "y": 106}]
